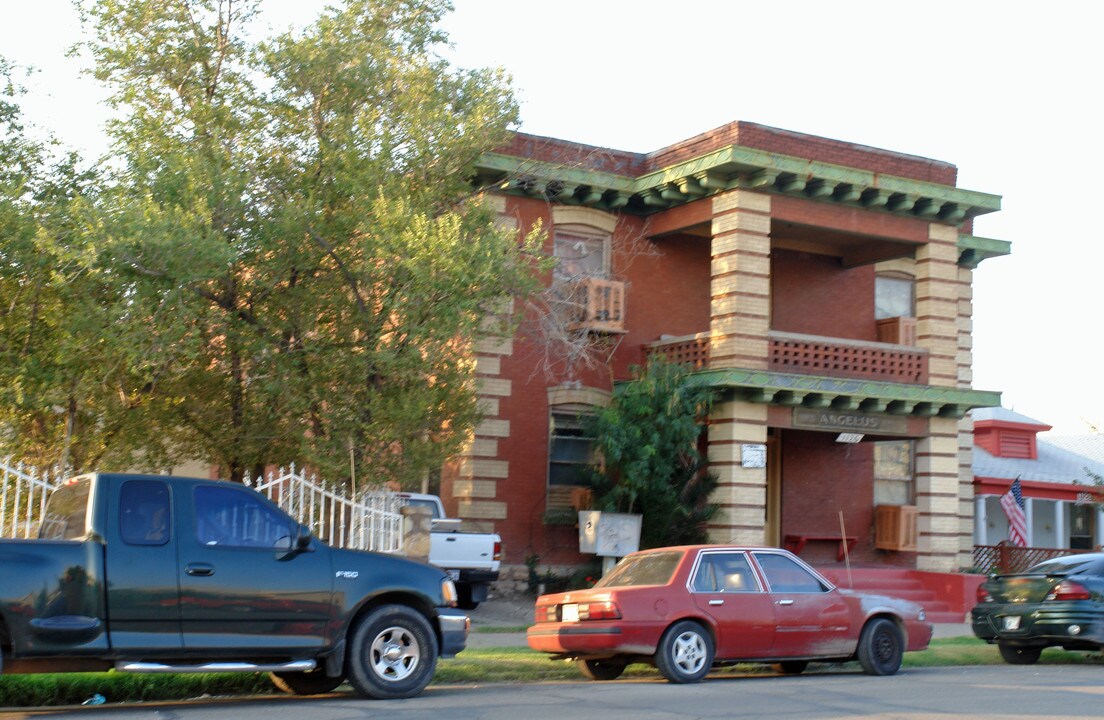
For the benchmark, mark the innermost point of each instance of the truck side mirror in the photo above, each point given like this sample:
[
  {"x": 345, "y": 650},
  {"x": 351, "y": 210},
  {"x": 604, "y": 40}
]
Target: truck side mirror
[{"x": 303, "y": 537}]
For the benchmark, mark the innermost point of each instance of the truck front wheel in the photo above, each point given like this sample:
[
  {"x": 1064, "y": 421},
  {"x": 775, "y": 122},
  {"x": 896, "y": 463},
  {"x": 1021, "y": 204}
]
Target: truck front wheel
[
  {"x": 393, "y": 653},
  {"x": 315, "y": 682}
]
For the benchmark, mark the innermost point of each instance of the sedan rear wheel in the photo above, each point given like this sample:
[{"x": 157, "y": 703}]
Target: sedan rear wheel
[
  {"x": 600, "y": 669},
  {"x": 880, "y": 647},
  {"x": 685, "y": 653},
  {"x": 1015, "y": 655}
]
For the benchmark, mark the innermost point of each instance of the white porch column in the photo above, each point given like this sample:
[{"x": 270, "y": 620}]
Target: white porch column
[
  {"x": 1061, "y": 539},
  {"x": 1029, "y": 516},
  {"x": 981, "y": 521},
  {"x": 1099, "y": 529}
]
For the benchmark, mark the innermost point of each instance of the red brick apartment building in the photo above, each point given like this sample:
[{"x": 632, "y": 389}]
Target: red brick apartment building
[{"x": 822, "y": 287}]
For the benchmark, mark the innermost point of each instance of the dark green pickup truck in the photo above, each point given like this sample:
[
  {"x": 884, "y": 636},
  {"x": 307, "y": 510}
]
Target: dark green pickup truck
[{"x": 145, "y": 573}]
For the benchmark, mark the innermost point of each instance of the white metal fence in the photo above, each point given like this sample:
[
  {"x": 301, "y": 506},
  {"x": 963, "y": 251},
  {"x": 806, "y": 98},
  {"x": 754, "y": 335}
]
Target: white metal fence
[
  {"x": 23, "y": 493},
  {"x": 369, "y": 521}
]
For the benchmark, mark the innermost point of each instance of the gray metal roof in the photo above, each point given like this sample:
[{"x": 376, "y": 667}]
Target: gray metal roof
[
  {"x": 1054, "y": 464},
  {"x": 1090, "y": 446}
]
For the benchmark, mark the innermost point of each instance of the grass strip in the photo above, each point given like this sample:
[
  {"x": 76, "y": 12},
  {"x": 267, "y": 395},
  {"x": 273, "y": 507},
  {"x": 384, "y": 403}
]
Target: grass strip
[{"x": 473, "y": 666}]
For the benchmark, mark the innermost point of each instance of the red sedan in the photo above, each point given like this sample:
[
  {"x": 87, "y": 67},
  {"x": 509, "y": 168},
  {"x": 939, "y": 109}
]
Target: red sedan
[{"x": 688, "y": 609}]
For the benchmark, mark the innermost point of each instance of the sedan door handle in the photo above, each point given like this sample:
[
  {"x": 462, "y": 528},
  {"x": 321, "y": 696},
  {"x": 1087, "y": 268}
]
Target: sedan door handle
[
  {"x": 202, "y": 569},
  {"x": 716, "y": 602},
  {"x": 785, "y": 602}
]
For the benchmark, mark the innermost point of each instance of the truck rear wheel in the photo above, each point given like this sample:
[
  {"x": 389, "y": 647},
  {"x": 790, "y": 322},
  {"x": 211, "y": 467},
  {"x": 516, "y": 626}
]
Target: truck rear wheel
[
  {"x": 315, "y": 682},
  {"x": 393, "y": 653}
]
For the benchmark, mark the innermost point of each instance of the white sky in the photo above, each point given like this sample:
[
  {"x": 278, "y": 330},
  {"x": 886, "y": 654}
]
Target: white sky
[{"x": 1007, "y": 91}]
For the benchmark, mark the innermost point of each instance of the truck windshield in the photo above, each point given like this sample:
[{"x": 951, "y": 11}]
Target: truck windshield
[
  {"x": 66, "y": 512},
  {"x": 647, "y": 569}
]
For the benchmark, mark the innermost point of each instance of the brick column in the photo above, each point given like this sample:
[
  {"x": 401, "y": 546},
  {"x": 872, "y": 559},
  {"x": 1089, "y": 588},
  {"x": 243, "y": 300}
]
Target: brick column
[
  {"x": 937, "y": 506},
  {"x": 739, "y": 324},
  {"x": 472, "y": 478},
  {"x": 966, "y": 502},
  {"x": 939, "y": 291}
]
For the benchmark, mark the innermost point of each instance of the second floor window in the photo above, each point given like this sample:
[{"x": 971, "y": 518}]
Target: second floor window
[
  {"x": 893, "y": 297},
  {"x": 580, "y": 253}
]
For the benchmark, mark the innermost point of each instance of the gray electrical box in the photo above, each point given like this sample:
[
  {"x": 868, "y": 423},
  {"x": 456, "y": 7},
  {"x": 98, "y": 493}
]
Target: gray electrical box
[{"x": 608, "y": 534}]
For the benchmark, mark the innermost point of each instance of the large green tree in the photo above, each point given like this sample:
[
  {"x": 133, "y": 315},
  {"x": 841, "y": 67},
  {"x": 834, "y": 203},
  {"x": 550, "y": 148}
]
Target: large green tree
[
  {"x": 649, "y": 463},
  {"x": 53, "y": 306},
  {"x": 292, "y": 255}
]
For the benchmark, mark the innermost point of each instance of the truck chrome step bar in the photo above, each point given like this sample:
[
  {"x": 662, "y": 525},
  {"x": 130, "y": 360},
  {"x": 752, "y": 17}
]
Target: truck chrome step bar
[{"x": 213, "y": 667}]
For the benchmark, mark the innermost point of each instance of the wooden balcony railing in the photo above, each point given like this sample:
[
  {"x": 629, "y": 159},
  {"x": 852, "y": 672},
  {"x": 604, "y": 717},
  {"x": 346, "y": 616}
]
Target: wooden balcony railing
[
  {"x": 814, "y": 355},
  {"x": 597, "y": 305},
  {"x": 1005, "y": 558}
]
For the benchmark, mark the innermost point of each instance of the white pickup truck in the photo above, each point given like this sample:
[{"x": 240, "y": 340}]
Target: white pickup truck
[{"x": 471, "y": 559}]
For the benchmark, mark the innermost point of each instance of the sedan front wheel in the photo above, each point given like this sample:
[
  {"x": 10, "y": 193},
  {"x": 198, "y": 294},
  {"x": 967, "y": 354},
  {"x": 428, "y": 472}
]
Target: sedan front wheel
[
  {"x": 880, "y": 647},
  {"x": 685, "y": 653}
]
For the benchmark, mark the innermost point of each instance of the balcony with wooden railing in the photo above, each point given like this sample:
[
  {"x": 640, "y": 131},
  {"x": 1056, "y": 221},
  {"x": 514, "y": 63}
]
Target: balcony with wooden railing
[{"x": 813, "y": 355}]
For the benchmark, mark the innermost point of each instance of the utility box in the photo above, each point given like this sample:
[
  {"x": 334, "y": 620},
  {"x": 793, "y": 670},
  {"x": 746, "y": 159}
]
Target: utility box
[{"x": 608, "y": 534}]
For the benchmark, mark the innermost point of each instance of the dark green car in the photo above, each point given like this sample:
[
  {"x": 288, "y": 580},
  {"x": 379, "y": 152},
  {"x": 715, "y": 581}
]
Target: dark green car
[{"x": 1059, "y": 602}]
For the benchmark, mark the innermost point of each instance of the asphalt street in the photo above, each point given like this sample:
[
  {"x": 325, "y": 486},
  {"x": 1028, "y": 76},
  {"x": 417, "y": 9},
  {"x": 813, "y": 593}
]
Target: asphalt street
[{"x": 999, "y": 691}]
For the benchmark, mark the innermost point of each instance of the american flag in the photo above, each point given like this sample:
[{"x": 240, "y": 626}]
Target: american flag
[{"x": 1013, "y": 504}]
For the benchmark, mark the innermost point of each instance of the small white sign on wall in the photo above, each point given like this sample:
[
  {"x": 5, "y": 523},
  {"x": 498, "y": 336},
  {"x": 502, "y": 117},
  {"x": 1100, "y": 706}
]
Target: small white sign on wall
[{"x": 753, "y": 455}]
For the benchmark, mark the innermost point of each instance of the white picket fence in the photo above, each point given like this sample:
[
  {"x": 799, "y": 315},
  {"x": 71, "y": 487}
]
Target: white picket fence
[{"x": 369, "y": 521}]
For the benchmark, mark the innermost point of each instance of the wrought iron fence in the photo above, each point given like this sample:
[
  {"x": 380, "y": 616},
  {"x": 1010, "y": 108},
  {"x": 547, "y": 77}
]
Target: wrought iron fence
[
  {"x": 1005, "y": 558},
  {"x": 365, "y": 521},
  {"x": 23, "y": 493},
  {"x": 369, "y": 520}
]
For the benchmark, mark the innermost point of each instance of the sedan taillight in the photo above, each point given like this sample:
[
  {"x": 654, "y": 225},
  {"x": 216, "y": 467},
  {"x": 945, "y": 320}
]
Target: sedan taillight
[
  {"x": 599, "y": 611},
  {"x": 545, "y": 613},
  {"x": 1069, "y": 590},
  {"x": 983, "y": 595}
]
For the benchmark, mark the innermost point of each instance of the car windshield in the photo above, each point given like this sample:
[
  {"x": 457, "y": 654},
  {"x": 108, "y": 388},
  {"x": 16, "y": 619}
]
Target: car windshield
[
  {"x": 1062, "y": 566},
  {"x": 647, "y": 569}
]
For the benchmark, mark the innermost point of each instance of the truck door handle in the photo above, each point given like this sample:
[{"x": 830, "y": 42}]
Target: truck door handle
[
  {"x": 716, "y": 602},
  {"x": 785, "y": 602},
  {"x": 202, "y": 569}
]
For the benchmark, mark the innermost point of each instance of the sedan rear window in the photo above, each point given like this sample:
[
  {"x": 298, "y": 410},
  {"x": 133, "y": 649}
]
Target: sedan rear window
[
  {"x": 648, "y": 569},
  {"x": 1064, "y": 566}
]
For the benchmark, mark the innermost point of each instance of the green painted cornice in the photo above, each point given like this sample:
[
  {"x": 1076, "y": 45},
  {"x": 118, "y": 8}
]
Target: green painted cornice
[
  {"x": 788, "y": 390},
  {"x": 732, "y": 167},
  {"x": 972, "y": 249}
]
